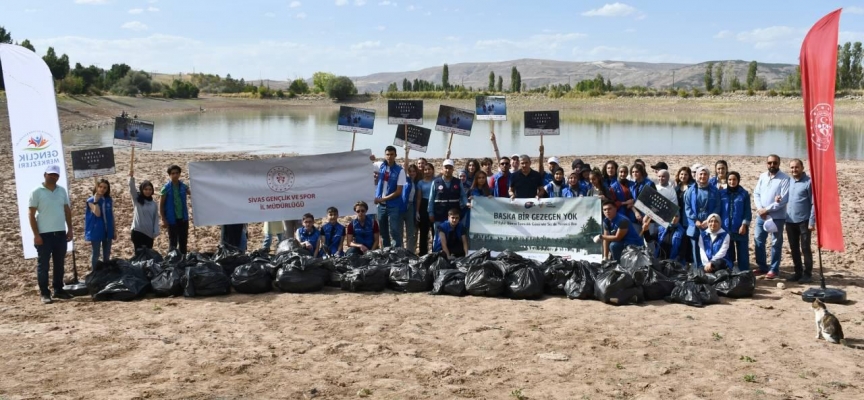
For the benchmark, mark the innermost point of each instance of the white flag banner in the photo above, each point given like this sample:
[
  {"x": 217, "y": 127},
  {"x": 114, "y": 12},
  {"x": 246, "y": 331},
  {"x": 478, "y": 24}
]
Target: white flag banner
[
  {"x": 35, "y": 127},
  {"x": 275, "y": 189}
]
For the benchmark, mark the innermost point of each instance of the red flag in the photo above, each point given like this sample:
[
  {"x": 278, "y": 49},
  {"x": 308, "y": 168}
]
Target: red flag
[{"x": 818, "y": 75}]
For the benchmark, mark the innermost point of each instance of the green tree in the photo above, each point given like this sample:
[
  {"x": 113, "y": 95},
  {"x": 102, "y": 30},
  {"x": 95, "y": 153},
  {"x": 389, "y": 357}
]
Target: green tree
[
  {"x": 59, "y": 66},
  {"x": 855, "y": 68},
  {"x": 406, "y": 85},
  {"x": 844, "y": 69},
  {"x": 89, "y": 76},
  {"x": 591, "y": 227},
  {"x": 299, "y": 86},
  {"x": 500, "y": 83},
  {"x": 321, "y": 80},
  {"x": 27, "y": 45},
  {"x": 117, "y": 72},
  {"x": 718, "y": 77},
  {"x": 518, "y": 81},
  {"x": 513, "y": 79},
  {"x": 491, "y": 81},
  {"x": 393, "y": 87},
  {"x": 751, "y": 74},
  {"x": 138, "y": 82},
  {"x": 71, "y": 84},
  {"x": 178, "y": 89},
  {"x": 341, "y": 88},
  {"x": 5, "y": 37},
  {"x": 445, "y": 78},
  {"x": 709, "y": 77},
  {"x": 792, "y": 81}
]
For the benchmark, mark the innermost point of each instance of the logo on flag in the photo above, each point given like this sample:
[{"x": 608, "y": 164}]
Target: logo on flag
[
  {"x": 37, "y": 143},
  {"x": 280, "y": 179},
  {"x": 821, "y": 126}
]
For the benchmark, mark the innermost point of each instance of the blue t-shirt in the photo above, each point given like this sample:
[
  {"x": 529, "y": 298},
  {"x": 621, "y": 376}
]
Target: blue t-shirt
[{"x": 424, "y": 188}]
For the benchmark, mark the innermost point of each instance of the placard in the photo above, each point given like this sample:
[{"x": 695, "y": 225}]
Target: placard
[
  {"x": 656, "y": 206},
  {"x": 135, "y": 133},
  {"x": 491, "y": 108},
  {"x": 404, "y": 112},
  {"x": 454, "y": 120},
  {"x": 418, "y": 137},
  {"x": 541, "y": 123},
  {"x": 93, "y": 162},
  {"x": 351, "y": 119}
]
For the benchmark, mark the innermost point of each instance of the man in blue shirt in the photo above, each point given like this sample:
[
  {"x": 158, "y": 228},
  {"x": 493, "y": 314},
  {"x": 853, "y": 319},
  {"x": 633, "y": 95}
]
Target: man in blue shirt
[
  {"x": 618, "y": 232},
  {"x": 446, "y": 193},
  {"x": 800, "y": 221},
  {"x": 770, "y": 197},
  {"x": 388, "y": 197}
]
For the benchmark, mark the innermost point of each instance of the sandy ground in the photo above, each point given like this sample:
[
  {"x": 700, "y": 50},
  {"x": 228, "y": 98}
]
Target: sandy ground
[{"x": 336, "y": 344}]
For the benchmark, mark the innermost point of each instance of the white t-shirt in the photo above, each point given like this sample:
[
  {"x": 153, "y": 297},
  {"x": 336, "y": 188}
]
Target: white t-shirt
[{"x": 386, "y": 178}]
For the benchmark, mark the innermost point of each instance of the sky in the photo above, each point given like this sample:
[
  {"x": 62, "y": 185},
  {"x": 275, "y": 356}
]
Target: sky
[{"x": 292, "y": 39}]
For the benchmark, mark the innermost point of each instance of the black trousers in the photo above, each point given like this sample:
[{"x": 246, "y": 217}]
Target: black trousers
[
  {"x": 140, "y": 240},
  {"x": 178, "y": 235},
  {"x": 424, "y": 227},
  {"x": 798, "y": 234}
]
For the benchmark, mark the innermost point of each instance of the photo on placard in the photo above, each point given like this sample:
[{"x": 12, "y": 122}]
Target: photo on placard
[
  {"x": 655, "y": 205},
  {"x": 418, "y": 137},
  {"x": 360, "y": 120},
  {"x": 454, "y": 120},
  {"x": 542, "y": 123},
  {"x": 404, "y": 112},
  {"x": 491, "y": 108},
  {"x": 135, "y": 133},
  {"x": 93, "y": 162}
]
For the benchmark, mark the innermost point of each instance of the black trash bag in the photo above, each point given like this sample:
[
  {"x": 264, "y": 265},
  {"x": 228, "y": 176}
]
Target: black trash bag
[
  {"x": 557, "y": 272},
  {"x": 698, "y": 275},
  {"x": 169, "y": 282},
  {"x": 476, "y": 258},
  {"x": 261, "y": 253},
  {"x": 151, "y": 268},
  {"x": 349, "y": 261},
  {"x": 303, "y": 275},
  {"x": 253, "y": 278},
  {"x": 116, "y": 279},
  {"x": 369, "y": 279},
  {"x": 450, "y": 282},
  {"x": 206, "y": 279},
  {"x": 229, "y": 257},
  {"x": 399, "y": 255},
  {"x": 735, "y": 284},
  {"x": 513, "y": 262},
  {"x": 173, "y": 257},
  {"x": 335, "y": 279},
  {"x": 580, "y": 284},
  {"x": 377, "y": 257},
  {"x": 409, "y": 278},
  {"x": 525, "y": 283},
  {"x": 127, "y": 288},
  {"x": 693, "y": 294},
  {"x": 672, "y": 269},
  {"x": 635, "y": 257},
  {"x": 291, "y": 245},
  {"x": 485, "y": 279},
  {"x": 433, "y": 262},
  {"x": 195, "y": 258},
  {"x": 144, "y": 254},
  {"x": 615, "y": 286},
  {"x": 655, "y": 285}
]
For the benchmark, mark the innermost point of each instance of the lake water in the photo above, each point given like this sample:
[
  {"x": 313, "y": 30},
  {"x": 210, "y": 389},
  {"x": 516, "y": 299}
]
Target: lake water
[{"x": 313, "y": 131}]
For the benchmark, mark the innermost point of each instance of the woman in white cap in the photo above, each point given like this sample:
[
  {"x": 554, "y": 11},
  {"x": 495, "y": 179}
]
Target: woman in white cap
[
  {"x": 713, "y": 245},
  {"x": 549, "y": 175}
]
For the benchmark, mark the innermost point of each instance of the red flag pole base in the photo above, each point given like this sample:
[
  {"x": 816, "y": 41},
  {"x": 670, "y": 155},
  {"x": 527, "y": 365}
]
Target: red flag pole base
[{"x": 826, "y": 294}]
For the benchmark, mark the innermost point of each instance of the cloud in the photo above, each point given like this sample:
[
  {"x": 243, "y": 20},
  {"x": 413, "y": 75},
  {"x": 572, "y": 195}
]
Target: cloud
[
  {"x": 152, "y": 9},
  {"x": 295, "y": 4},
  {"x": 270, "y": 15},
  {"x": 359, "y": 3},
  {"x": 92, "y": 2},
  {"x": 300, "y": 15},
  {"x": 452, "y": 38},
  {"x": 548, "y": 42},
  {"x": 380, "y": 27},
  {"x": 765, "y": 38},
  {"x": 341, "y": 2},
  {"x": 723, "y": 34},
  {"x": 366, "y": 45},
  {"x": 136, "y": 11},
  {"x": 135, "y": 26},
  {"x": 411, "y": 8},
  {"x": 854, "y": 10},
  {"x": 388, "y": 3},
  {"x": 626, "y": 54},
  {"x": 849, "y": 36},
  {"x": 611, "y": 10}
]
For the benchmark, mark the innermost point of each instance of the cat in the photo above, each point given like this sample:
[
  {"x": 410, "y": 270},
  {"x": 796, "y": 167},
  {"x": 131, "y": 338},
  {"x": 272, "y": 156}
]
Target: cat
[{"x": 827, "y": 325}]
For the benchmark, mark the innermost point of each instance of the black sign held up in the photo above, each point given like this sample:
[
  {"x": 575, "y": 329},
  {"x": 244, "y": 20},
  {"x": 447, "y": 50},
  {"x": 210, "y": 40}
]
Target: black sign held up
[
  {"x": 541, "y": 123},
  {"x": 418, "y": 137},
  {"x": 404, "y": 112},
  {"x": 93, "y": 162},
  {"x": 454, "y": 120},
  {"x": 656, "y": 206}
]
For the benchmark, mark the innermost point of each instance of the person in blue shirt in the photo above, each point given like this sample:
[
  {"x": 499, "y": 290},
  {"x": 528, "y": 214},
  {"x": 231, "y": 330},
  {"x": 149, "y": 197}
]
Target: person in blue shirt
[
  {"x": 585, "y": 178},
  {"x": 553, "y": 165},
  {"x": 501, "y": 179},
  {"x": 451, "y": 238},
  {"x": 424, "y": 187},
  {"x": 735, "y": 216},
  {"x": 332, "y": 234},
  {"x": 555, "y": 188},
  {"x": 618, "y": 232},
  {"x": 388, "y": 197},
  {"x": 610, "y": 173},
  {"x": 174, "y": 210},
  {"x": 99, "y": 228},
  {"x": 480, "y": 188},
  {"x": 572, "y": 189},
  {"x": 51, "y": 223},
  {"x": 770, "y": 197},
  {"x": 639, "y": 182},
  {"x": 700, "y": 201},
  {"x": 309, "y": 236},
  {"x": 445, "y": 194},
  {"x": 408, "y": 212},
  {"x": 721, "y": 171},
  {"x": 713, "y": 245},
  {"x": 362, "y": 234},
  {"x": 800, "y": 221},
  {"x": 623, "y": 196},
  {"x": 683, "y": 181}
]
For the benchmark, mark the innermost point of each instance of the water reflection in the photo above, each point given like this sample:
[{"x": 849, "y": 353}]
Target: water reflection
[{"x": 313, "y": 131}]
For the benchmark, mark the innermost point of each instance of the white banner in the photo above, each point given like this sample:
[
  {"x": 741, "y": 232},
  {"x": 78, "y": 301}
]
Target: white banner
[
  {"x": 36, "y": 141},
  {"x": 275, "y": 189},
  {"x": 559, "y": 226}
]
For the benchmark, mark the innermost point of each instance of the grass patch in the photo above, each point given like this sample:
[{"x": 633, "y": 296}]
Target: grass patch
[{"x": 750, "y": 378}]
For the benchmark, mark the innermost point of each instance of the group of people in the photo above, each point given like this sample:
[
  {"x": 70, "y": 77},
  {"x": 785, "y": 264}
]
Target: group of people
[{"x": 412, "y": 201}]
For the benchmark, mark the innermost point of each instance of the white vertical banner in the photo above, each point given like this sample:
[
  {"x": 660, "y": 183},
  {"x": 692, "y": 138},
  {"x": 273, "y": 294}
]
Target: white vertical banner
[{"x": 35, "y": 127}]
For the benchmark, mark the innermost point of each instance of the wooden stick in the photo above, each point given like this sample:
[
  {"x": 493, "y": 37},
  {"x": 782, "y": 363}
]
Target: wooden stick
[
  {"x": 406, "y": 136},
  {"x": 449, "y": 144},
  {"x": 353, "y": 139},
  {"x": 494, "y": 142}
]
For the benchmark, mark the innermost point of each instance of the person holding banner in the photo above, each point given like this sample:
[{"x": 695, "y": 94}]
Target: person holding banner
[
  {"x": 446, "y": 193},
  {"x": 51, "y": 222},
  {"x": 597, "y": 188},
  {"x": 362, "y": 233},
  {"x": 501, "y": 179},
  {"x": 555, "y": 187},
  {"x": 553, "y": 165},
  {"x": 486, "y": 166},
  {"x": 272, "y": 229},
  {"x": 700, "y": 201},
  {"x": 99, "y": 228},
  {"x": 309, "y": 236},
  {"x": 713, "y": 245},
  {"x": 174, "y": 210},
  {"x": 479, "y": 188},
  {"x": 618, "y": 232},
  {"x": 451, "y": 237},
  {"x": 526, "y": 183},
  {"x": 388, "y": 197},
  {"x": 735, "y": 216},
  {"x": 424, "y": 188}
]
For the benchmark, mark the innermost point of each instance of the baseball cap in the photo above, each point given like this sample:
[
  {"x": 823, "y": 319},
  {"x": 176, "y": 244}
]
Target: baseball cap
[
  {"x": 769, "y": 225},
  {"x": 552, "y": 160},
  {"x": 449, "y": 163},
  {"x": 53, "y": 169},
  {"x": 660, "y": 165},
  {"x": 696, "y": 167},
  {"x": 515, "y": 156}
]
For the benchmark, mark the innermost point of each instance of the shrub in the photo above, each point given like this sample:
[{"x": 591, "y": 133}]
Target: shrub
[
  {"x": 341, "y": 88},
  {"x": 71, "y": 84}
]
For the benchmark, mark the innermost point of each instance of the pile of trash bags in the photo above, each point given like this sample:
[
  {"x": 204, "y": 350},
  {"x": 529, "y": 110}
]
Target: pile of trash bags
[{"x": 638, "y": 277}]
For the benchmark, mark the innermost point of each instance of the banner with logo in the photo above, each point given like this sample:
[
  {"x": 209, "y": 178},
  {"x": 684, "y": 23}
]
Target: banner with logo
[
  {"x": 275, "y": 189},
  {"x": 818, "y": 74},
  {"x": 560, "y": 226},
  {"x": 36, "y": 141},
  {"x": 93, "y": 162}
]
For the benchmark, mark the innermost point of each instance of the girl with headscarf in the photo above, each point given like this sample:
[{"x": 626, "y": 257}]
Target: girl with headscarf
[{"x": 713, "y": 245}]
